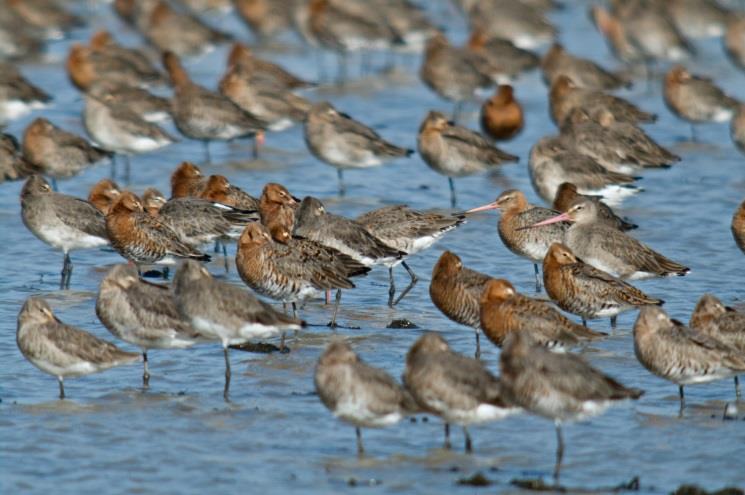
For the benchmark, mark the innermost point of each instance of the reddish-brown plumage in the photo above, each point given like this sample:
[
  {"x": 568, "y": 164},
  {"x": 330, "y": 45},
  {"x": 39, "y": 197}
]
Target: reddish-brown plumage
[
  {"x": 502, "y": 115},
  {"x": 504, "y": 310},
  {"x": 103, "y": 194},
  {"x": 187, "y": 181},
  {"x": 277, "y": 207}
]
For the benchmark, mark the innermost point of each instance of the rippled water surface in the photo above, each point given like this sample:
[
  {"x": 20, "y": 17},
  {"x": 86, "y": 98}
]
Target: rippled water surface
[{"x": 276, "y": 437}]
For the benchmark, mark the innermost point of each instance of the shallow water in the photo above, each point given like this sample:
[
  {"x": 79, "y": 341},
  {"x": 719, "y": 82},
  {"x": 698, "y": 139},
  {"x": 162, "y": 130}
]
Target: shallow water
[{"x": 275, "y": 436}]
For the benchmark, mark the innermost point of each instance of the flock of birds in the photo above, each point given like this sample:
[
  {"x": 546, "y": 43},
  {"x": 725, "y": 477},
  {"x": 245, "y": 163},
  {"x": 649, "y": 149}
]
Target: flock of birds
[{"x": 293, "y": 251}]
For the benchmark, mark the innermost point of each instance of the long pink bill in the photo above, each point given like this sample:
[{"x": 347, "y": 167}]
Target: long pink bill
[
  {"x": 564, "y": 217},
  {"x": 490, "y": 206}
]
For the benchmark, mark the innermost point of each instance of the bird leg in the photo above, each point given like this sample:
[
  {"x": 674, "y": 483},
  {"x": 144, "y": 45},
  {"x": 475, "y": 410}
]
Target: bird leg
[
  {"x": 127, "y": 169},
  {"x": 537, "y": 278},
  {"x": 453, "y": 201},
  {"x": 342, "y": 189},
  {"x": 217, "y": 246},
  {"x": 360, "y": 447},
  {"x": 477, "y": 354},
  {"x": 447, "y": 445},
  {"x": 207, "y": 156},
  {"x": 112, "y": 172},
  {"x": 613, "y": 322},
  {"x": 584, "y": 322},
  {"x": 145, "y": 373},
  {"x": 682, "y": 400},
  {"x": 332, "y": 323},
  {"x": 294, "y": 310},
  {"x": 559, "y": 453},
  {"x": 61, "y": 387},
  {"x": 738, "y": 393},
  {"x": 414, "y": 280},
  {"x": 66, "y": 272},
  {"x": 227, "y": 373},
  {"x": 469, "y": 444},
  {"x": 225, "y": 257},
  {"x": 391, "y": 287}
]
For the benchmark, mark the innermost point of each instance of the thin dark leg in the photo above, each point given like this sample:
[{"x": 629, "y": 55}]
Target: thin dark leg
[
  {"x": 559, "y": 453},
  {"x": 294, "y": 310},
  {"x": 217, "y": 246},
  {"x": 342, "y": 189},
  {"x": 453, "y": 200},
  {"x": 584, "y": 323},
  {"x": 447, "y": 437},
  {"x": 738, "y": 393},
  {"x": 477, "y": 354},
  {"x": 537, "y": 278},
  {"x": 414, "y": 280},
  {"x": 127, "y": 169},
  {"x": 225, "y": 257},
  {"x": 341, "y": 76},
  {"x": 256, "y": 146},
  {"x": 166, "y": 272},
  {"x": 360, "y": 447},
  {"x": 66, "y": 272},
  {"x": 61, "y": 388},
  {"x": 227, "y": 374},
  {"x": 207, "y": 156},
  {"x": 613, "y": 322},
  {"x": 332, "y": 324},
  {"x": 391, "y": 287},
  {"x": 145, "y": 373},
  {"x": 682, "y": 398},
  {"x": 469, "y": 444}
]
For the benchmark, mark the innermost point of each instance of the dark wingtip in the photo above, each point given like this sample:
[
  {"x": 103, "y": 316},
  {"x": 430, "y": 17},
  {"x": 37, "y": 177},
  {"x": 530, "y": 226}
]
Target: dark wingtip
[
  {"x": 409, "y": 152},
  {"x": 204, "y": 257},
  {"x": 659, "y": 302}
]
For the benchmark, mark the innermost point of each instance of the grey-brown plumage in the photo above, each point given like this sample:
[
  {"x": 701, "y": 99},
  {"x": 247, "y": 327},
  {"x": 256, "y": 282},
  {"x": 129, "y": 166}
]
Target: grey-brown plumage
[
  {"x": 103, "y": 43},
  {"x": 672, "y": 351},
  {"x": 17, "y": 95},
  {"x": 277, "y": 106},
  {"x": 696, "y": 98},
  {"x": 140, "y": 101},
  {"x": 142, "y": 314},
  {"x": 313, "y": 222},
  {"x": 64, "y": 222},
  {"x": 337, "y": 139},
  {"x": 143, "y": 238},
  {"x": 565, "y": 96},
  {"x": 62, "y": 350},
  {"x": 56, "y": 152},
  {"x": 502, "y": 53},
  {"x": 198, "y": 221},
  {"x": 651, "y": 31},
  {"x": 455, "y": 74},
  {"x": 737, "y": 128},
  {"x": 583, "y": 290},
  {"x": 734, "y": 41},
  {"x": 722, "y": 323},
  {"x": 263, "y": 71},
  {"x": 618, "y": 146},
  {"x": 203, "y": 114},
  {"x": 173, "y": 30},
  {"x": 567, "y": 194},
  {"x": 611, "y": 250},
  {"x": 457, "y": 388},
  {"x": 116, "y": 127},
  {"x": 409, "y": 231},
  {"x": 521, "y": 23},
  {"x": 357, "y": 393},
  {"x": 560, "y": 387},
  {"x": 456, "y": 151},
  {"x": 13, "y": 165},
  {"x": 555, "y": 160},
  {"x": 585, "y": 73},
  {"x": 699, "y": 18},
  {"x": 225, "y": 312}
]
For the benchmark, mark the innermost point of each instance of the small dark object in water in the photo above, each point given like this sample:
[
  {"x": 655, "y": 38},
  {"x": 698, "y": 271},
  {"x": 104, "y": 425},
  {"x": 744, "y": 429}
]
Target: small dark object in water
[
  {"x": 537, "y": 484},
  {"x": 259, "y": 348},
  {"x": 696, "y": 490},
  {"x": 402, "y": 323},
  {"x": 477, "y": 479}
]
